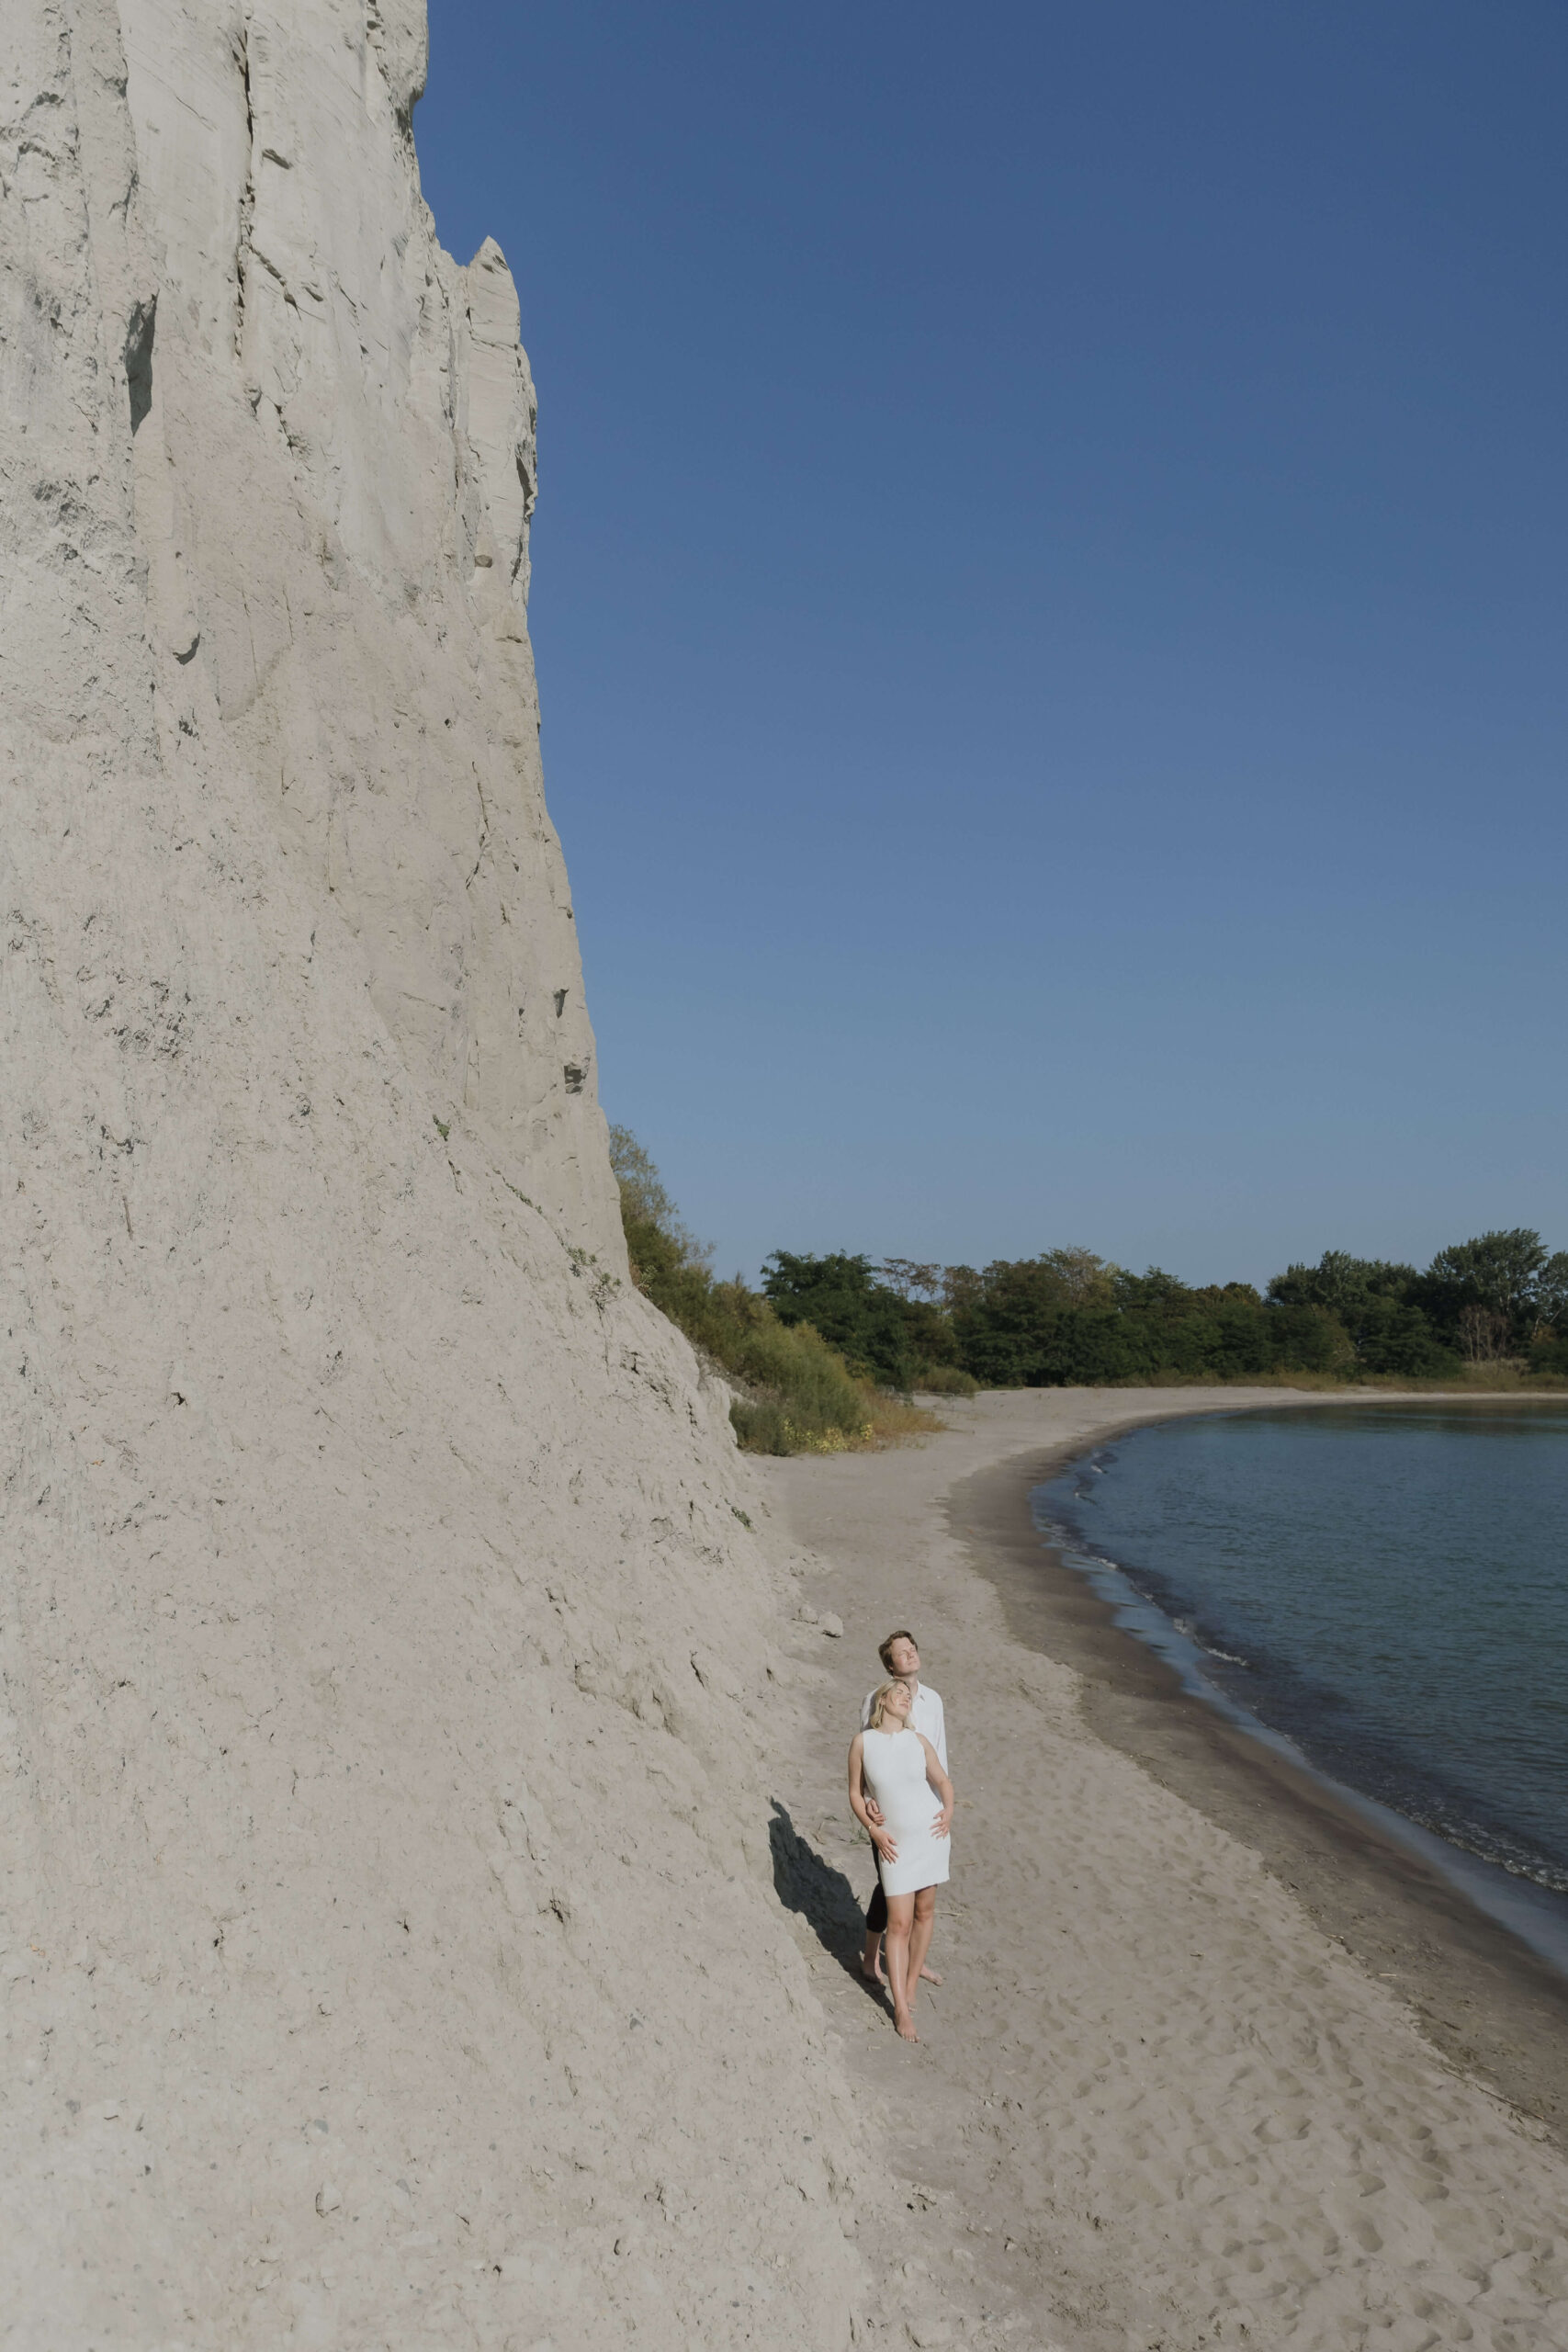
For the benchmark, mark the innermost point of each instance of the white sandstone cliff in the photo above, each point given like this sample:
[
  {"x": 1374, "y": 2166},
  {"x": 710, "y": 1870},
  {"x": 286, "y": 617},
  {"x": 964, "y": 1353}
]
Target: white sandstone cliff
[
  {"x": 333, "y": 480},
  {"x": 382, "y": 1834}
]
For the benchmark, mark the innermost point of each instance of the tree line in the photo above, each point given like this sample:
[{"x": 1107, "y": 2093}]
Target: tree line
[
  {"x": 1070, "y": 1317},
  {"x": 820, "y": 1349}
]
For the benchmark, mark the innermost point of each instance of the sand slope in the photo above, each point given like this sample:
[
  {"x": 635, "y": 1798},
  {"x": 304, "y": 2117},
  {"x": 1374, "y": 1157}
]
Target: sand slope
[{"x": 1195, "y": 2118}]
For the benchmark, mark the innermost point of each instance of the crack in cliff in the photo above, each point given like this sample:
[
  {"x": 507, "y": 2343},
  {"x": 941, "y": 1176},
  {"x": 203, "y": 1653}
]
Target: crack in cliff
[
  {"x": 484, "y": 830},
  {"x": 242, "y": 51}
]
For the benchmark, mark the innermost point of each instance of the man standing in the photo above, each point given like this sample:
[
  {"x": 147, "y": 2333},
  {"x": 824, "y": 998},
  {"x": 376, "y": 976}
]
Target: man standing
[{"x": 900, "y": 1657}]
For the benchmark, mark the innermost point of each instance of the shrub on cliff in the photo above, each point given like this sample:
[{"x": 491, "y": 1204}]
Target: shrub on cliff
[{"x": 798, "y": 1396}]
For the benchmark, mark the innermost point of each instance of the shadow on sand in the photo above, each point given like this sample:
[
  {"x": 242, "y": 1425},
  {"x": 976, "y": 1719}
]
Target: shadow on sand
[{"x": 822, "y": 1895}]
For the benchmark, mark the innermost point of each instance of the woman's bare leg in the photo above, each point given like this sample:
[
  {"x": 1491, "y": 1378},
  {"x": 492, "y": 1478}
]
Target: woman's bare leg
[
  {"x": 921, "y": 1935},
  {"x": 895, "y": 1951}
]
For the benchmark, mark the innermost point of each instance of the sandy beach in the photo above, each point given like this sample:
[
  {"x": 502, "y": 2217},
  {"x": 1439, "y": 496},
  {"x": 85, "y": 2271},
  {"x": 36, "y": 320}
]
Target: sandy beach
[{"x": 1212, "y": 2065}]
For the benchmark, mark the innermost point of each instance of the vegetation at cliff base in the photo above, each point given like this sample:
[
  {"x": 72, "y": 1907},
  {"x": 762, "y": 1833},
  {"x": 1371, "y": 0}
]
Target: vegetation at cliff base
[
  {"x": 797, "y": 1392},
  {"x": 884, "y": 1321},
  {"x": 825, "y": 1350}
]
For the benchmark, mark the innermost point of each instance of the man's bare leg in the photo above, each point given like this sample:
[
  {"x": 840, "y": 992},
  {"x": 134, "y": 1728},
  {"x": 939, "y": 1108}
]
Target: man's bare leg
[{"x": 871, "y": 1966}]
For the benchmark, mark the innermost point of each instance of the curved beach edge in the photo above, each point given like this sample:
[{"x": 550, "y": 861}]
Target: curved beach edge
[{"x": 1488, "y": 2001}]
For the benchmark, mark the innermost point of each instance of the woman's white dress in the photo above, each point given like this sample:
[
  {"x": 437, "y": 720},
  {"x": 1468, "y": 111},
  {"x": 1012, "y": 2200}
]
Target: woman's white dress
[{"x": 894, "y": 1764}]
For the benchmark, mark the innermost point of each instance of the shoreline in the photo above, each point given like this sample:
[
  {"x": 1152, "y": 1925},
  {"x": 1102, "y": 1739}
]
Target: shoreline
[
  {"x": 1530, "y": 1908},
  {"x": 1213, "y": 2065},
  {"x": 1488, "y": 2000}
]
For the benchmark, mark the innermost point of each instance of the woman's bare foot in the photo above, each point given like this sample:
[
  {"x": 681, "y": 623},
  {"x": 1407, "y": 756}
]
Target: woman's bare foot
[
  {"x": 929, "y": 1976},
  {"x": 904, "y": 2025}
]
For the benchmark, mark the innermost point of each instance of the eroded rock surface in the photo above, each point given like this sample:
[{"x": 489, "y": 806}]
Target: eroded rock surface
[
  {"x": 333, "y": 480},
  {"x": 390, "y": 1946}
]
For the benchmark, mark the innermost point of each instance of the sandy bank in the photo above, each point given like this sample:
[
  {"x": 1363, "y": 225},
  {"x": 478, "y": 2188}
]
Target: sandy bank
[{"x": 1161, "y": 2100}]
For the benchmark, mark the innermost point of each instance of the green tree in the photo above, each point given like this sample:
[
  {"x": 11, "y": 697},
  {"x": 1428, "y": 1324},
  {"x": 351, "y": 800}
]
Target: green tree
[
  {"x": 1489, "y": 1292},
  {"x": 911, "y": 1279},
  {"x": 1009, "y": 1323},
  {"x": 644, "y": 1203},
  {"x": 1154, "y": 1292},
  {"x": 1068, "y": 1316},
  {"x": 840, "y": 1296},
  {"x": 1372, "y": 1298},
  {"x": 1342, "y": 1283},
  {"x": 1549, "y": 1339}
]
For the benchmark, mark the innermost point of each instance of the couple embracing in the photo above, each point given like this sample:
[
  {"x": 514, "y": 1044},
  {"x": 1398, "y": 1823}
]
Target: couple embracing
[{"x": 899, "y": 1790}]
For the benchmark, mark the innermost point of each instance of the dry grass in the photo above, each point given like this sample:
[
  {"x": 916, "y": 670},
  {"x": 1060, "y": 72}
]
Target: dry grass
[{"x": 896, "y": 1421}]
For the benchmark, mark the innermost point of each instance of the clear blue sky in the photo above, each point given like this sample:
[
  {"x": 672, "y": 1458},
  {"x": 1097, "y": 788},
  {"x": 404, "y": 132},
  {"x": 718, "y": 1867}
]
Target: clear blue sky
[{"x": 1050, "y": 595}]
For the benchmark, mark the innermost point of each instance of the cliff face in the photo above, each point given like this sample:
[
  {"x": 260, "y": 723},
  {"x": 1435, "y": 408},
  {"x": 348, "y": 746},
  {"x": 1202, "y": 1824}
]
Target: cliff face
[
  {"x": 385, "y": 1833},
  {"x": 334, "y": 478}
]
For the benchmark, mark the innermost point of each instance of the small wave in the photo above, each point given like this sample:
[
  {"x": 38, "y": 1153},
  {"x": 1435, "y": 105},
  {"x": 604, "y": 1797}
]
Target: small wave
[
  {"x": 1533, "y": 1868},
  {"x": 1108, "y": 1567},
  {"x": 1210, "y": 1649}
]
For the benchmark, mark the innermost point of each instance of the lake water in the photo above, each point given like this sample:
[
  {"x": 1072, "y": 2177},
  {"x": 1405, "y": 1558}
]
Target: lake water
[{"x": 1384, "y": 1585}]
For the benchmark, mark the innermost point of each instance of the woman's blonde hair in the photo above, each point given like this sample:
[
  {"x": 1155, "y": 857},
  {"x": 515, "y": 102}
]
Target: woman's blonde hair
[{"x": 879, "y": 1701}]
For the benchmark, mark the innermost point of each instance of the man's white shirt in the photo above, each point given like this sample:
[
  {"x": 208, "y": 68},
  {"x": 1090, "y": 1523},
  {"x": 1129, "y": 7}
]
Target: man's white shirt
[{"x": 925, "y": 1715}]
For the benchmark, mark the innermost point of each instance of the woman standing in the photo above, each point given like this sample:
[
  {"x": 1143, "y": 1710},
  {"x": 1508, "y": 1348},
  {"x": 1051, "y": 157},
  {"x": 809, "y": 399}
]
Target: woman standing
[{"x": 900, "y": 1768}]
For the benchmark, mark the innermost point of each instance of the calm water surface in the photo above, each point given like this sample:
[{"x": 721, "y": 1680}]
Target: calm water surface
[{"x": 1385, "y": 1585}]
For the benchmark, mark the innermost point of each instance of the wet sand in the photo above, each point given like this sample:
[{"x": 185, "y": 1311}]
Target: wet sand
[
  {"x": 1213, "y": 2063},
  {"x": 1488, "y": 2001}
]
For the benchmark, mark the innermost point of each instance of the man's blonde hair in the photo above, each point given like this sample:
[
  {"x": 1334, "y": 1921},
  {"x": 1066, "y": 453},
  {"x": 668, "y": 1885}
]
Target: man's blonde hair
[{"x": 879, "y": 1701}]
